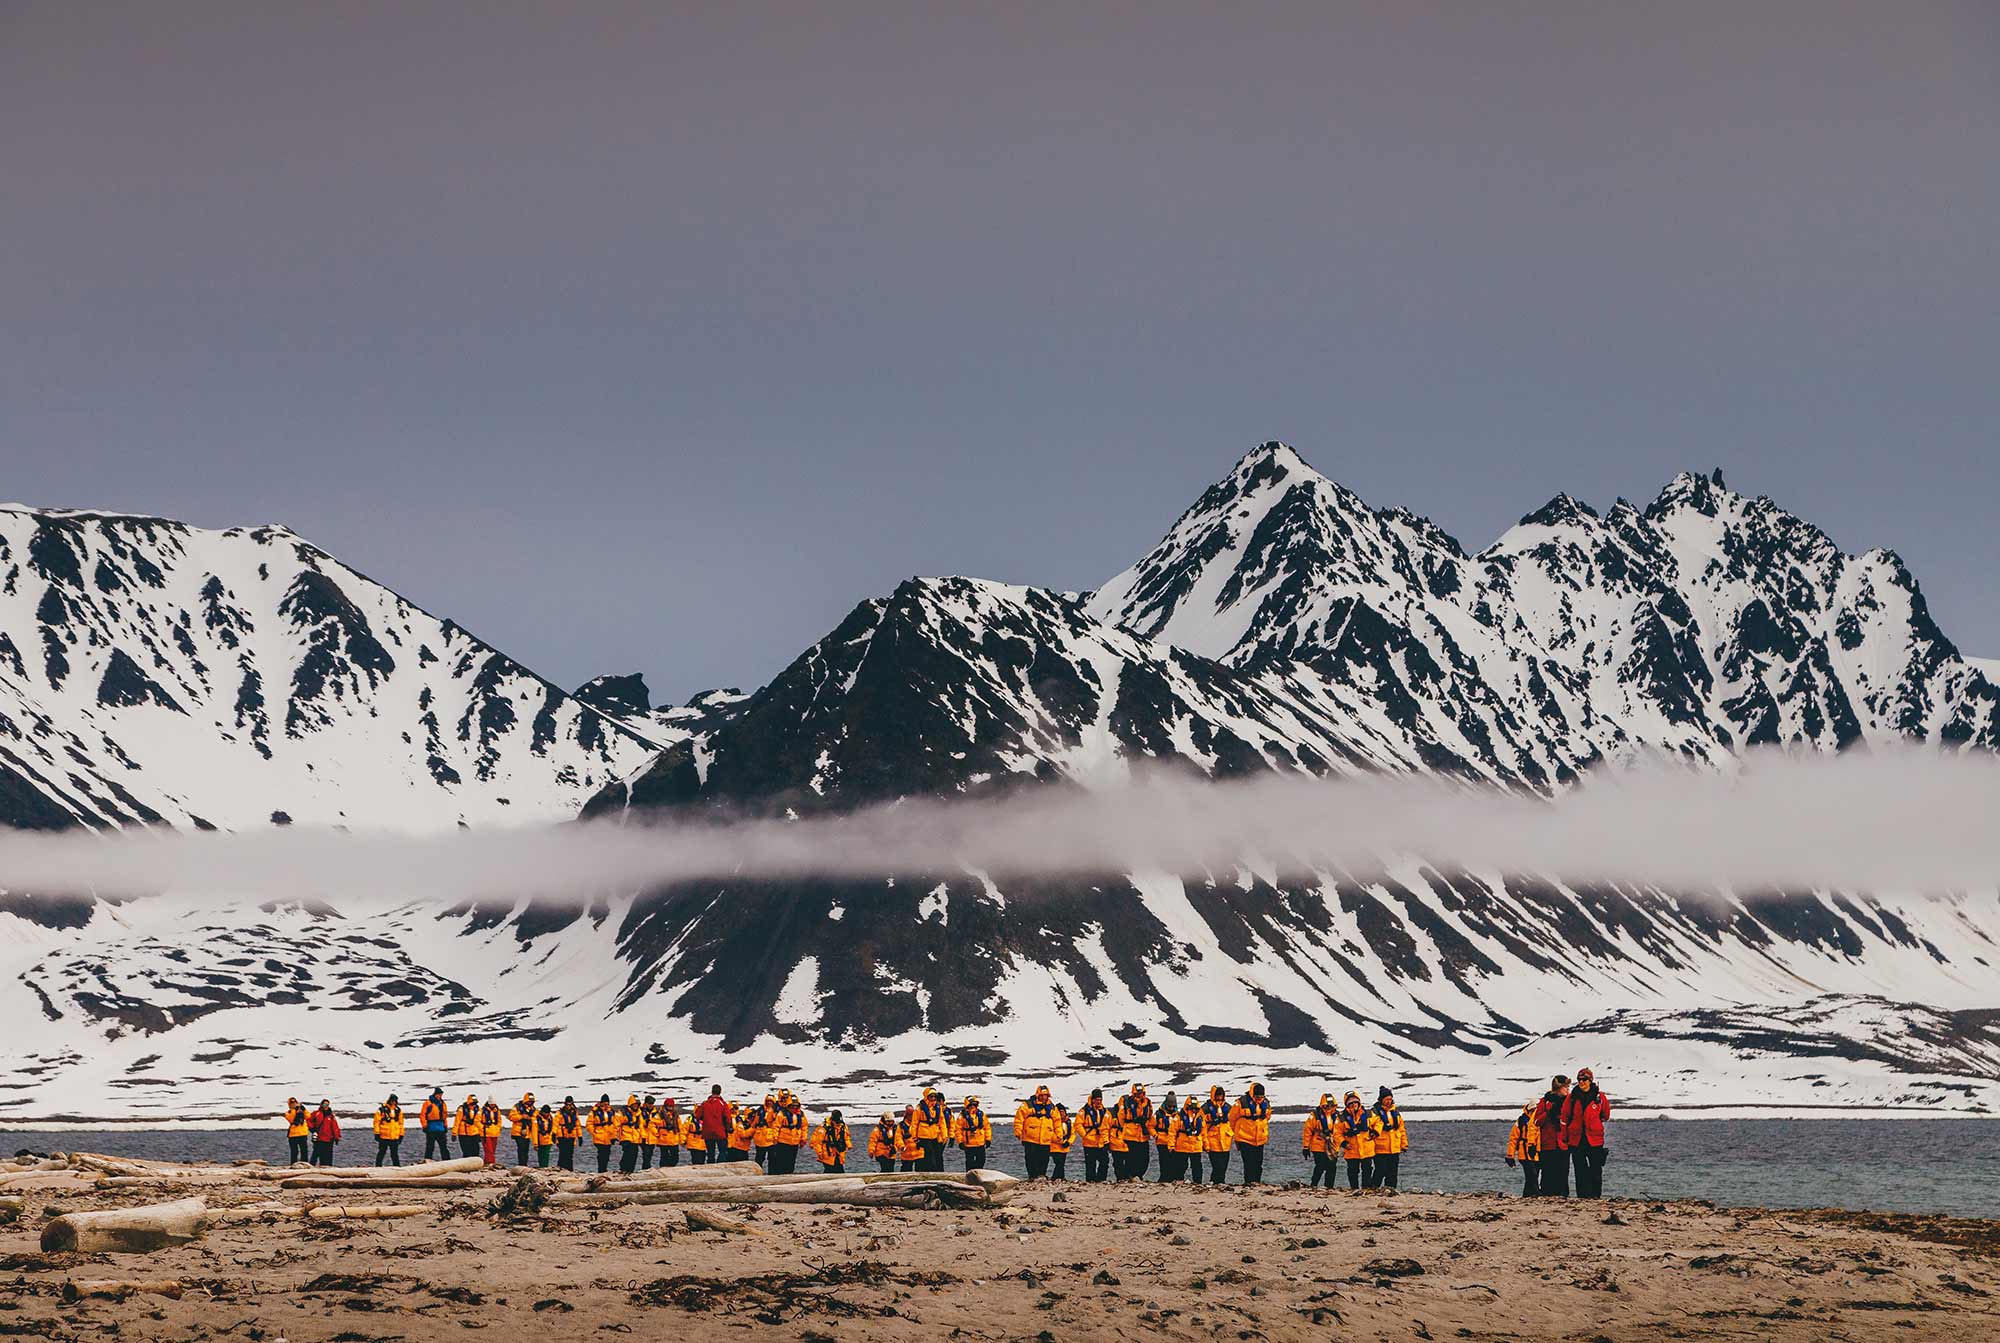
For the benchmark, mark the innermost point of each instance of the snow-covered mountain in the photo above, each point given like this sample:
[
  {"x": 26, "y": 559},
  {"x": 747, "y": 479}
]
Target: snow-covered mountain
[
  {"x": 1281, "y": 624},
  {"x": 155, "y": 672}
]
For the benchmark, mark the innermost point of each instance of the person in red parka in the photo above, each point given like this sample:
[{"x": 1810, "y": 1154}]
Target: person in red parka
[
  {"x": 1583, "y": 1117},
  {"x": 714, "y": 1117},
  {"x": 1552, "y": 1170},
  {"x": 325, "y": 1133}
]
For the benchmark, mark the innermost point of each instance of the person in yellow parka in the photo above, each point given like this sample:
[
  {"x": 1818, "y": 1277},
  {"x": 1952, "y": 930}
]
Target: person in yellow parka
[
  {"x": 631, "y": 1125},
  {"x": 973, "y": 1132},
  {"x": 882, "y": 1143},
  {"x": 1035, "y": 1129},
  {"x": 389, "y": 1132},
  {"x": 1216, "y": 1134},
  {"x": 1322, "y": 1140},
  {"x": 569, "y": 1132},
  {"x": 765, "y": 1133},
  {"x": 1358, "y": 1130},
  {"x": 1524, "y": 1149},
  {"x": 1250, "y": 1126},
  {"x": 743, "y": 1132},
  {"x": 933, "y": 1127},
  {"x": 543, "y": 1127},
  {"x": 909, "y": 1147},
  {"x": 468, "y": 1128},
  {"x": 667, "y": 1135},
  {"x": 1184, "y": 1136},
  {"x": 691, "y": 1139},
  {"x": 298, "y": 1130},
  {"x": 602, "y": 1121},
  {"x": 1390, "y": 1143},
  {"x": 491, "y": 1124},
  {"x": 1162, "y": 1138},
  {"x": 793, "y": 1131},
  {"x": 649, "y": 1110},
  {"x": 1061, "y": 1137},
  {"x": 830, "y": 1144},
  {"x": 521, "y": 1124},
  {"x": 1135, "y": 1127},
  {"x": 1094, "y": 1128}
]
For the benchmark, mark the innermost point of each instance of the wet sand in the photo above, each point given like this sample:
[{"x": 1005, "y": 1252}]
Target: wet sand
[{"x": 1060, "y": 1262}]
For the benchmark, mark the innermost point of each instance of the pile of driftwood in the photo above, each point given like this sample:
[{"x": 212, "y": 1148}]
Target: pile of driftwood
[{"x": 152, "y": 1226}]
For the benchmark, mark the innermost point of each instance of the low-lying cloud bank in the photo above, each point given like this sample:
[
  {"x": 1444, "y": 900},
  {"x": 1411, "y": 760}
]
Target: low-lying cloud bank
[{"x": 1894, "y": 821}]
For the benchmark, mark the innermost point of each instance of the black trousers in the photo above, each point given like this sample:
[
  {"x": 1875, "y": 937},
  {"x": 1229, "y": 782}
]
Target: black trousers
[
  {"x": 628, "y": 1157},
  {"x": 933, "y": 1154},
  {"x": 885, "y": 1164},
  {"x": 392, "y": 1148},
  {"x": 1058, "y": 1163},
  {"x": 1552, "y": 1174},
  {"x": 762, "y": 1156},
  {"x": 1190, "y": 1165},
  {"x": 645, "y": 1156},
  {"x": 1323, "y": 1169},
  {"x": 522, "y": 1147},
  {"x": 1530, "y": 1186},
  {"x": 912, "y": 1164},
  {"x": 301, "y": 1150},
  {"x": 1253, "y": 1162},
  {"x": 1096, "y": 1163},
  {"x": 1218, "y": 1167},
  {"x": 322, "y": 1153},
  {"x": 1137, "y": 1159},
  {"x": 565, "y": 1154},
  {"x": 1172, "y": 1164},
  {"x": 671, "y": 1156},
  {"x": 469, "y": 1144},
  {"x": 1388, "y": 1169},
  {"x": 1036, "y": 1156},
  {"x": 436, "y": 1142},
  {"x": 1589, "y": 1163},
  {"x": 1360, "y": 1172},
  {"x": 783, "y": 1159},
  {"x": 975, "y": 1157},
  {"x": 603, "y": 1156},
  {"x": 542, "y": 1156}
]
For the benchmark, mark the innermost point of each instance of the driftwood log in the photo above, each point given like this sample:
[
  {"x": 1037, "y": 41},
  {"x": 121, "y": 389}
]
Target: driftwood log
[
  {"x": 419, "y": 1171},
  {"x": 384, "y": 1182},
  {"x": 700, "y": 1219},
  {"x": 324, "y": 1212},
  {"x": 119, "y": 1288},
  {"x": 126, "y": 1230}
]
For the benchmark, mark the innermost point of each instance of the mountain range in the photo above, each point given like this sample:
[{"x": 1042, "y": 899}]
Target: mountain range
[{"x": 152, "y": 673}]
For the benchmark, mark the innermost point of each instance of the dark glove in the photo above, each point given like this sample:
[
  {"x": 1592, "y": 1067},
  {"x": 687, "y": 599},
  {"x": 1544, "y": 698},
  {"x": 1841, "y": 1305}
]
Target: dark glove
[{"x": 1510, "y": 1161}]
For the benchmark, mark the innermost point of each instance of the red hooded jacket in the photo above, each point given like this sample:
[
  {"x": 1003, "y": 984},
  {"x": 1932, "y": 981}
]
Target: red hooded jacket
[
  {"x": 1583, "y": 1116},
  {"x": 715, "y": 1118}
]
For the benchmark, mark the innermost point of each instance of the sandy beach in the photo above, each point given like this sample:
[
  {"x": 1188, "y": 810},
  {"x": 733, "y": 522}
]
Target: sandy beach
[{"x": 1059, "y": 1262}]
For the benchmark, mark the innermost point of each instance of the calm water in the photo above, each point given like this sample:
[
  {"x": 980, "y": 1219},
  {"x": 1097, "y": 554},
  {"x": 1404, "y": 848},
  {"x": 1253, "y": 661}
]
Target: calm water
[{"x": 1928, "y": 1165}]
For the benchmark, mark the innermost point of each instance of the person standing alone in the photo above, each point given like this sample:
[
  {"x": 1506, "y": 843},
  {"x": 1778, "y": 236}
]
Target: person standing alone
[{"x": 1584, "y": 1117}]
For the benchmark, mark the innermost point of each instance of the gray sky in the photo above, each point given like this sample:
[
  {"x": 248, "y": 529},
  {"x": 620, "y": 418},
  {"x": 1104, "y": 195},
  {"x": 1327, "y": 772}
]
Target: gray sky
[{"x": 655, "y": 336}]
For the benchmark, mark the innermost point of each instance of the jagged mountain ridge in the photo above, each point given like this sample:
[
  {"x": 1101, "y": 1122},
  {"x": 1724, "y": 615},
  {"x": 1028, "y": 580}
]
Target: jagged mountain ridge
[
  {"x": 1280, "y": 625},
  {"x": 152, "y": 672}
]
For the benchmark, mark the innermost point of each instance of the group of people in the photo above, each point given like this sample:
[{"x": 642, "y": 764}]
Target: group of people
[
  {"x": 1561, "y": 1132},
  {"x": 1195, "y": 1138}
]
